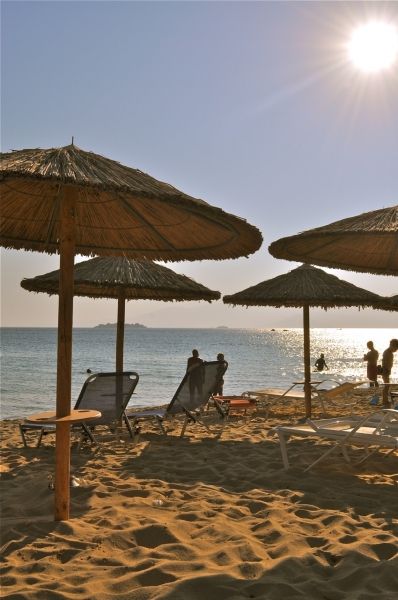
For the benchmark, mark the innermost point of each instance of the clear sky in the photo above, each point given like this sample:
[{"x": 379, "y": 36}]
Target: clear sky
[{"x": 252, "y": 106}]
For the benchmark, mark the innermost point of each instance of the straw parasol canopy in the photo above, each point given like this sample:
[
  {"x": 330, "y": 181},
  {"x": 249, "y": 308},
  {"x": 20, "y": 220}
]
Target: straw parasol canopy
[
  {"x": 366, "y": 243},
  {"x": 303, "y": 287},
  {"x": 107, "y": 277},
  {"x": 71, "y": 201},
  {"x": 120, "y": 210},
  {"x": 124, "y": 279}
]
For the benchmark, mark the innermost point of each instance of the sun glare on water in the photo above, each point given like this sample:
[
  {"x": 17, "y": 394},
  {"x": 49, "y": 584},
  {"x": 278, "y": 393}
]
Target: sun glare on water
[{"x": 373, "y": 47}]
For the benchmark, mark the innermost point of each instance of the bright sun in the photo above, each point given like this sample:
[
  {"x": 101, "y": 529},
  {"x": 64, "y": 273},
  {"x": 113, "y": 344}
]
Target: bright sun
[{"x": 373, "y": 47}]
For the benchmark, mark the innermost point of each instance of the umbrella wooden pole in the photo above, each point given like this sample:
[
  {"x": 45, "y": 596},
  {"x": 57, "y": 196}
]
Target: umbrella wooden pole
[
  {"x": 307, "y": 361},
  {"x": 121, "y": 310},
  {"x": 64, "y": 358}
]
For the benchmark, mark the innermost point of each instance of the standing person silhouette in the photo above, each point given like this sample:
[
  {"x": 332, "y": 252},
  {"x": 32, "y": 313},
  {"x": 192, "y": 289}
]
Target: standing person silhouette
[
  {"x": 218, "y": 390},
  {"x": 386, "y": 364},
  {"x": 196, "y": 374},
  {"x": 371, "y": 358},
  {"x": 193, "y": 360}
]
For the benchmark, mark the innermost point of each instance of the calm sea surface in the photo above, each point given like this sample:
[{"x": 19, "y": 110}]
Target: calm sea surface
[{"x": 257, "y": 358}]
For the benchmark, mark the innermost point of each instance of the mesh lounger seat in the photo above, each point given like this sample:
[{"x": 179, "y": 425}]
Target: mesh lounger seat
[
  {"x": 378, "y": 430},
  {"x": 107, "y": 392},
  {"x": 190, "y": 399}
]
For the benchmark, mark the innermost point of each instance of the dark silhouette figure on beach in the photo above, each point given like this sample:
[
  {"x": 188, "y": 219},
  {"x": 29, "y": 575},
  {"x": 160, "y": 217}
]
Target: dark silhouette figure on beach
[
  {"x": 320, "y": 364},
  {"x": 386, "y": 365},
  {"x": 371, "y": 358},
  {"x": 218, "y": 390},
  {"x": 194, "y": 364}
]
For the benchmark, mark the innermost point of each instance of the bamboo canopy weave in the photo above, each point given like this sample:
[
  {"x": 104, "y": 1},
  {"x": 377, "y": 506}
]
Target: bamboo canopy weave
[
  {"x": 391, "y": 303},
  {"x": 120, "y": 210},
  {"x": 303, "y": 287},
  {"x": 367, "y": 243},
  {"x": 107, "y": 277},
  {"x": 394, "y": 302}
]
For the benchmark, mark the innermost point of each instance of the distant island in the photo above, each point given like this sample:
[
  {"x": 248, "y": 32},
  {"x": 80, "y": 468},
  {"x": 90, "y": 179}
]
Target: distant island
[
  {"x": 222, "y": 327},
  {"x": 112, "y": 325}
]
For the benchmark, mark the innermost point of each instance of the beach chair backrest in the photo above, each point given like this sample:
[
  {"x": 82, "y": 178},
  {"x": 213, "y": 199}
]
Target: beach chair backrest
[
  {"x": 340, "y": 390},
  {"x": 197, "y": 387},
  {"x": 109, "y": 393}
]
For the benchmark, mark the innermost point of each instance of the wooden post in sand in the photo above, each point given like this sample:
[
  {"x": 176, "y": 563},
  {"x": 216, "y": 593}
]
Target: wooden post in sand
[
  {"x": 307, "y": 360},
  {"x": 121, "y": 307},
  {"x": 120, "y": 331},
  {"x": 64, "y": 356}
]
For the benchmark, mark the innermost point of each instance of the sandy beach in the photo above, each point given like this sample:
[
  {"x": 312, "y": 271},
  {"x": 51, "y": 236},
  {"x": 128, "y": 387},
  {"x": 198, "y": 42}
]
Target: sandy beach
[{"x": 194, "y": 518}]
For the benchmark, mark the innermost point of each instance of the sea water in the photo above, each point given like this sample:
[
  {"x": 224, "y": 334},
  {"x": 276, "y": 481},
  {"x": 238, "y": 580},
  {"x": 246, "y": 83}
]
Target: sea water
[{"x": 257, "y": 358}]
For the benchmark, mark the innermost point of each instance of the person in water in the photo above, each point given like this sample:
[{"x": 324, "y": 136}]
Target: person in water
[
  {"x": 371, "y": 368},
  {"x": 320, "y": 363}
]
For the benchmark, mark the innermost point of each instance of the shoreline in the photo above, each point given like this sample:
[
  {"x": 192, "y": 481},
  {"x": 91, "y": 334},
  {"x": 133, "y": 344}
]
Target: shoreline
[{"x": 216, "y": 327}]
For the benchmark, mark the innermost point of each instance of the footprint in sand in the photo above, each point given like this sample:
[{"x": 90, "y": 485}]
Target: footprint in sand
[
  {"x": 153, "y": 536},
  {"x": 385, "y": 551}
]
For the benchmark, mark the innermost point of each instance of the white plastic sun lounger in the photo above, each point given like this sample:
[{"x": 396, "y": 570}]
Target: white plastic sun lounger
[
  {"x": 378, "y": 430},
  {"x": 324, "y": 396}
]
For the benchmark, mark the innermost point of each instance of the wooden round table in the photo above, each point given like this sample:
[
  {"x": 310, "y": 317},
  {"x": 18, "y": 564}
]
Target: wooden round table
[{"x": 76, "y": 416}]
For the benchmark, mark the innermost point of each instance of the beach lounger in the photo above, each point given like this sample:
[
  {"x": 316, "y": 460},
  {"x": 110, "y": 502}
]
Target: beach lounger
[
  {"x": 325, "y": 396},
  {"x": 338, "y": 396},
  {"x": 378, "y": 430},
  {"x": 107, "y": 392},
  {"x": 190, "y": 399},
  {"x": 236, "y": 404}
]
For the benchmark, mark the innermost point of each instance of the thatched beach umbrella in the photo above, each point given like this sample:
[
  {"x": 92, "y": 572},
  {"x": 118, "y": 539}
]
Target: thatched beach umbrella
[
  {"x": 125, "y": 279},
  {"x": 303, "y": 287},
  {"x": 366, "y": 243},
  {"x": 70, "y": 201}
]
